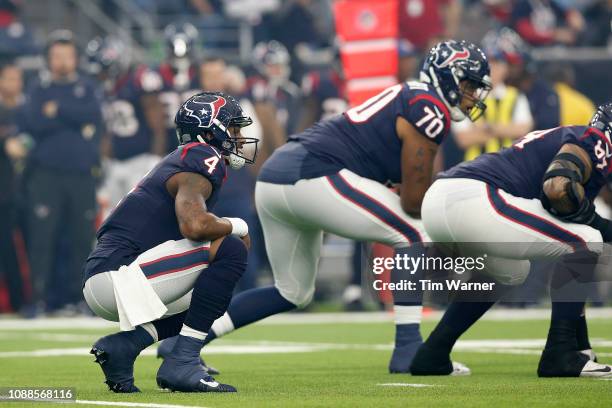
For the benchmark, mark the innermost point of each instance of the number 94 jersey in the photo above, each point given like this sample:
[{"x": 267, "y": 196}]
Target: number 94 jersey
[{"x": 364, "y": 139}]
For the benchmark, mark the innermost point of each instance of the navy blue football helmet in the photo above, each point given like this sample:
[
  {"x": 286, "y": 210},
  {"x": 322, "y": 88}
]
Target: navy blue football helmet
[
  {"x": 216, "y": 118},
  {"x": 181, "y": 43},
  {"x": 272, "y": 60},
  {"x": 448, "y": 64},
  {"x": 602, "y": 120},
  {"x": 106, "y": 55}
]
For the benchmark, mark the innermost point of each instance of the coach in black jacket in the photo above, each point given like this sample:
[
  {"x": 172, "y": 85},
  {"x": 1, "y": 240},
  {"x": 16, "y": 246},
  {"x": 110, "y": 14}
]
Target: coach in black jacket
[{"x": 63, "y": 115}]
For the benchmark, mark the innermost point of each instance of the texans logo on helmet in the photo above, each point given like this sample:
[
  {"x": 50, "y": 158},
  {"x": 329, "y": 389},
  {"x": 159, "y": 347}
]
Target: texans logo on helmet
[
  {"x": 453, "y": 56},
  {"x": 214, "y": 107}
]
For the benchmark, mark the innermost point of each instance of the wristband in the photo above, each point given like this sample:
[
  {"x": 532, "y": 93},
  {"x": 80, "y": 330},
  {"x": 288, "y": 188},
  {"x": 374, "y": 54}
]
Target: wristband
[{"x": 239, "y": 226}]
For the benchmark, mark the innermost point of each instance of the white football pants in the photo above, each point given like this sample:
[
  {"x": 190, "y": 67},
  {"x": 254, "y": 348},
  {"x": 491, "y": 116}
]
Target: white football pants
[
  {"x": 480, "y": 219},
  {"x": 293, "y": 218},
  {"x": 171, "y": 268}
]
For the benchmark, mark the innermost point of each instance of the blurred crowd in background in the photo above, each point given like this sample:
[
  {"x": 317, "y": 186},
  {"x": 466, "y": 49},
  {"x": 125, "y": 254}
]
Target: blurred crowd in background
[{"x": 89, "y": 89}]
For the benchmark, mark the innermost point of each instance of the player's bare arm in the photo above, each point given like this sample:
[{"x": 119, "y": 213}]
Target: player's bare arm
[
  {"x": 191, "y": 191},
  {"x": 418, "y": 155},
  {"x": 563, "y": 183}
]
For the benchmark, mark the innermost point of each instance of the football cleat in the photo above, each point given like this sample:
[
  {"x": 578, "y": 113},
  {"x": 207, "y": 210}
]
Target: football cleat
[
  {"x": 556, "y": 362},
  {"x": 402, "y": 357},
  {"x": 165, "y": 349},
  {"x": 428, "y": 361},
  {"x": 187, "y": 375},
  {"x": 116, "y": 355},
  {"x": 460, "y": 369},
  {"x": 590, "y": 354},
  {"x": 593, "y": 369}
]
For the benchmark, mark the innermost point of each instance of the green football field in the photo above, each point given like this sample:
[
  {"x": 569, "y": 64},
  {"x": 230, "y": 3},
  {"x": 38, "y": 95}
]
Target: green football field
[{"x": 303, "y": 361}]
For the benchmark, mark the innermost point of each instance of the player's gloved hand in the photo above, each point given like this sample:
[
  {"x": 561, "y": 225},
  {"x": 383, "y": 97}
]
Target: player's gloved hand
[{"x": 583, "y": 215}]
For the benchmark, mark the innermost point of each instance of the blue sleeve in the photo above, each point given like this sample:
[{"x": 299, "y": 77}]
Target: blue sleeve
[
  {"x": 34, "y": 121},
  {"x": 205, "y": 160},
  {"x": 428, "y": 115},
  {"x": 597, "y": 145}
]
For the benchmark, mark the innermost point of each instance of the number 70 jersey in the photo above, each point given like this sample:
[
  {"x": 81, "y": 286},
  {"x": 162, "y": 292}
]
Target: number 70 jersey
[{"x": 364, "y": 139}]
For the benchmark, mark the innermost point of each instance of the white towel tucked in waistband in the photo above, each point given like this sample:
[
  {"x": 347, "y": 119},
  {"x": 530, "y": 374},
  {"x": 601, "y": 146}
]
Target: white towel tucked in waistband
[{"x": 137, "y": 302}]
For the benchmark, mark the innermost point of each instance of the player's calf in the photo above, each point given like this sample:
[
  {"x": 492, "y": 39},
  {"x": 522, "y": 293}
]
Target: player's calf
[{"x": 181, "y": 370}]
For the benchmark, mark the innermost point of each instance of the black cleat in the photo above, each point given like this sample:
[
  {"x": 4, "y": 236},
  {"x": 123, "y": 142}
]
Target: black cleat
[
  {"x": 187, "y": 375},
  {"x": 429, "y": 361},
  {"x": 570, "y": 363},
  {"x": 116, "y": 356},
  {"x": 166, "y": 346}
]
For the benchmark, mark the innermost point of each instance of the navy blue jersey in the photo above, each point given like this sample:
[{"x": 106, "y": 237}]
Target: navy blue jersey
[
  {"x": 364, "y": 139},
  {"x": 328, "y": 89},
  {"x": 176, "y": 89},
  {"x": 127, "y": 125},
  {"x": 146, "y": 217},
  {"x": 519, "y": 169},
  {"x": 285, "y": 97}
]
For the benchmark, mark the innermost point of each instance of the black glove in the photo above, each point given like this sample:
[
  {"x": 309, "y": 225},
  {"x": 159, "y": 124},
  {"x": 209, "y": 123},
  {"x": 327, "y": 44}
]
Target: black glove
[
  {"x": 583, "y": 215},
  {"x": 604, "y": 226}
]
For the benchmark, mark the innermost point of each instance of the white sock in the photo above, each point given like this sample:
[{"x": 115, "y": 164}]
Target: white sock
[
  {"x": 223, "y": 325},
  {"x": 150, "y": 328},
  {"x": 189, "y": 332},
  {"x": 407, "y": 314}
]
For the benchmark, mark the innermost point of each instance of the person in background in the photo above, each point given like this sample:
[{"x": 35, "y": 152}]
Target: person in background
[
  {"x": 63, "y": 115},
  {"x": 276, "y": 99},
  {"x": 12, "y": 149},
  {"x": 598, "y": 17},
  {"x": 575, "y": 107},
  {"x": 545, "y": 22},
  {"x": 135, "y": 134},
  {"x": 523, "y": 74},
  {"x": 508, "y": 115},
  {"x": 422, "y": 23},
  {"x": 324, "y": 95},
  {"x": 179, "y": 73}
]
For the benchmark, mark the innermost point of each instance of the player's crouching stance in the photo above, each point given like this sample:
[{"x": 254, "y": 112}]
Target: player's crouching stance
[
  {"x": 331, "y": 178},
  {"x": 539, "y": 194},
  {"x": 163, "y": 264}
]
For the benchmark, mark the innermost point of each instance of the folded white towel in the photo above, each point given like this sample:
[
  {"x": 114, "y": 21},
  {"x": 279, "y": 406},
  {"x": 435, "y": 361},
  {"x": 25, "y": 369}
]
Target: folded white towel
[{"x": 137, "y": 302}]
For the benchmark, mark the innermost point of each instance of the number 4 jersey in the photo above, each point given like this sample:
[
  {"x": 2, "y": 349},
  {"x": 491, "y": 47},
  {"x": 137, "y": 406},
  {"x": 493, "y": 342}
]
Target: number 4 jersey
[
  {"x": 519, "y": 169},
  {"x": 146, "y": 216},
  {"x": 364, "y": 139}
]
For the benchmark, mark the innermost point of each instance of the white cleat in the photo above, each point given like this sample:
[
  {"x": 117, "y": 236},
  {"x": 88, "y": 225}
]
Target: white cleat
[
  {"x": 592, "y": 369},
  {"x": 590, "y": 354},
  {"x": 460, "y": 369}
]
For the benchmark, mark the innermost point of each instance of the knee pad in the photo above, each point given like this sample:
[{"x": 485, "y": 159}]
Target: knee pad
[
  {"x": 233, "y": 248},
  {"x": 233, "y": 254}
]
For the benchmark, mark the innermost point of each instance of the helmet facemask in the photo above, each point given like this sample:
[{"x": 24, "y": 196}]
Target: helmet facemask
[
  {"x": 602, "y": 120},
  {"x": 238, "y": 149}
]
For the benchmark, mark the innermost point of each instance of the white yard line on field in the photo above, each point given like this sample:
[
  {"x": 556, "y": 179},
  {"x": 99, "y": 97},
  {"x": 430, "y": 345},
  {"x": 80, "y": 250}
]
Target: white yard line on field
[
  {"x": 408, "y": 385},
  {"x": 132, "y": 404},
  {"x": 295, "y": 318},
  {"x": 517, "y": 346}
]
